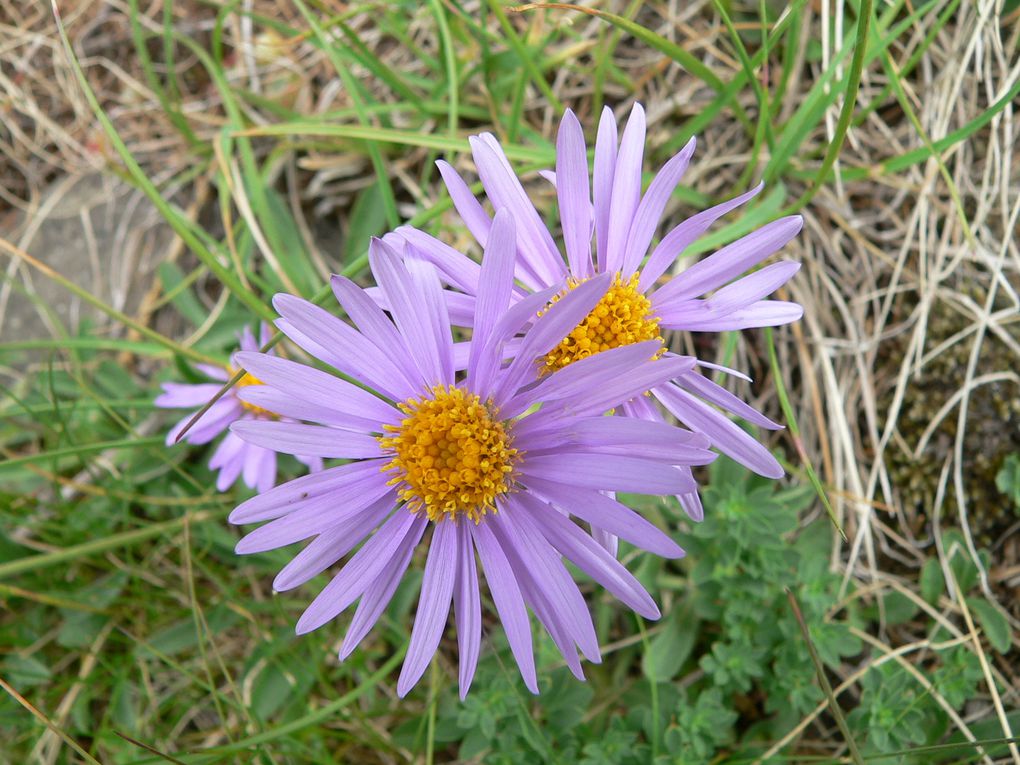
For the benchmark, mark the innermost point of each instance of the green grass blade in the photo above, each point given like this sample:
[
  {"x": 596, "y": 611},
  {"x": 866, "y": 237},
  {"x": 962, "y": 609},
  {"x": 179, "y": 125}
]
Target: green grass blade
[
  {"x": 853, "y": 85},
  {"x": 180, "y": 226},
  {"x": 791, "y": 421},
  {"x": 104, "y": 544},
  {"x": 75, "y": 451},
  {"x": 823, "y": 680},
  {"x": 450, "y": 61},
  {"x": 667, "y": 47},
  {"x": 388, "y": 197},
  {"x": 110, "y": 311},
  {"x": 526, "y": 57}
]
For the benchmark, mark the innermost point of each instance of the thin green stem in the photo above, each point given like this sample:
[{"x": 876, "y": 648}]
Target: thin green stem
[
  {"x": 74, "y": 451},
  {"x": 823, "y": 680},
  {"x": 853, "y": 84},
  {"x": 140, "y": 178},
  {"x": 450, "y": 61},
  {"x": 104, "y": 544},
  {"x": 791, "y": 421}
]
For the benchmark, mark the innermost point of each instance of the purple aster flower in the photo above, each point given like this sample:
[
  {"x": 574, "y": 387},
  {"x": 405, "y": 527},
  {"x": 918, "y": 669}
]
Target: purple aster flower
[
  {"x": 233, "y": 458},
  {"x": 639, "y": 306},
  {"x": 468, "y": 457}
]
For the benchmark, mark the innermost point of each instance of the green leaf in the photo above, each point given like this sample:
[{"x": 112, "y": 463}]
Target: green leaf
[
  {"x": 669, "y": 649},
  {"x": 80, "y": 628},
  {"x": 899, "y": 608},
  {"x": 833, "y": 641},
  {"x": 959, "y": 675},
  {"x": 367, "y": 219},
  {"x": 181, "y": 297},
  {"x": 568, "y": 700},
  {"x": 1007, "y": 480},
  {"x": 960, "y": 562},
  {"x": 293, "y": 252},
  {"x": 992, "y": 622},
  {"x": 126, "y": 705},
  {"x": 182, "y": 635},
  {"x": 933, "y": 583},
  {"x": 25, "y": 671},
  {"x": 270, "y": 690}
]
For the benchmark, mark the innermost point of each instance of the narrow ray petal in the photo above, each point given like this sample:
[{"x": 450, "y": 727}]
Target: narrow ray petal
[
  {"x": 619, "y": 435},
  {"x": 548, "y": 574},
  {"x": 311, "y": 440},
  {"x": 318, "y": 388},
  {"x": 294, "y": 495},
  {"x": 693, "y": 316},
  {"x": 608, "y": 514},
  {"x": 602, "y": 178},
  {"x": 332, "y": 545},
  {"x": 361, "y": 570},
  {"x": 433, "y": 605},
  {"x": 727, "y": 263},
  {"x": 506, "y": 595},
  {"x": 214, "y": 421},
  {"x": 590, "y": 557},
  {"x": 714, "y": 393},
  {"x": 726, "y": 436},
  {"x": 649, "y": 211},
  {"x": 314, "y": 518},
  {"x": 343, "y": 346},
  {"x": 371, "y": 321},
  {"x": 607, "y": 473},
  {"x": 679, "y": 239},
  {"x": 467, "y": 607},
  {"x": 286, "y": 404},
  {"x": 573, "y": 192},
  {"x": 467, "y": 205},
  {"x": 614, "y": 390},
  {"x": 748, "y": 290},
  {"x": 494, "y": 289},
  {"x": 413, "y": 299},
  {"x": 561, "y": 317},
  {"x": 535, "y": 245},
  {"x": 181, "y": 395},
  {"x": 456, "y": 267},
  {"x": 379, "y": 593},
  {"x": 626, "y": 187}
]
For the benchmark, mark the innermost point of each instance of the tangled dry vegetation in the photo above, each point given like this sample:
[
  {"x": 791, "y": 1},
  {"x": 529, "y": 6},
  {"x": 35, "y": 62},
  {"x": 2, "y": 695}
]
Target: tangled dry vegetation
[{"x": 904, "y": 371}]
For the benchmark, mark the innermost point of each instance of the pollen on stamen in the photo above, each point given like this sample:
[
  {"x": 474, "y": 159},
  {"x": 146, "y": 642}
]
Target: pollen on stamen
[
  {"x": 622, "y": 317},
  {"x": 451, "y": 455}
]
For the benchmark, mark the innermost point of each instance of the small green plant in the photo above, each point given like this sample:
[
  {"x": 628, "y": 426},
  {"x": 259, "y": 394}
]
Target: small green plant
[
  {"x": 1007, "y": 480},
  {"x": 726, "y": 673}
]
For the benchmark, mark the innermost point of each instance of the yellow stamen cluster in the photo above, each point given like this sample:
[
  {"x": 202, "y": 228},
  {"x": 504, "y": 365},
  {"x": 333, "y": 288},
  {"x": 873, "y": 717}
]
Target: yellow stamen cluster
[
  {"x": 451, "y": 455},
  {"x": 622, "y": 317},
  {"x": 249, "y": 379}
]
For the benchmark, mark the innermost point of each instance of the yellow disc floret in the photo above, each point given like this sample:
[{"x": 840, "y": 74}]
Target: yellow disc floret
[
  {"x": 244, "y": 382},
  {"x": 451, "y": 456},
  {"x": 622, "y": 317}
]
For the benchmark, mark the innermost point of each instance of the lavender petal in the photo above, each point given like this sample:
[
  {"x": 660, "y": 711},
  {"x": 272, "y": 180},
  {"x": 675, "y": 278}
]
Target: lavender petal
[
  {"x": 310, "y": 440},
  {"x": 506, "y": 595},
  {"x": 433, "y": 605},
  {"x": 649, "y": 211},
  {"x": 361, "y": 570}
]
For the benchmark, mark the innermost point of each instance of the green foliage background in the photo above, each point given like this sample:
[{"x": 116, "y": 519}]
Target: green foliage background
[{"x": 132, "y": 633}]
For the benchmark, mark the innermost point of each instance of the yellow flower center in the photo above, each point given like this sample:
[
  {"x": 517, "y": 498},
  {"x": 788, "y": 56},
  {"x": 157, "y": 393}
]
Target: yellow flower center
[
  {"x": 622, "y": 317},
  {"x": 249, "y": 379},
  {"x": 451, "y": 455}
]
